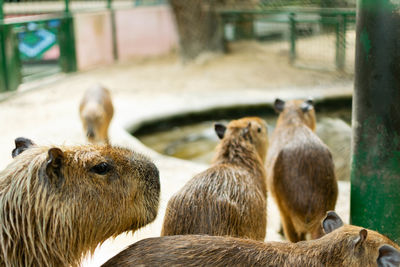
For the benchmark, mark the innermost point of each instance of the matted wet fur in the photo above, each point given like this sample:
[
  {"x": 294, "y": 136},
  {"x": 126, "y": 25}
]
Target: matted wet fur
[
  {"x": 59, "y": 203},
  {"x": 343, "y": 245},
  {"x": 300, "y": 171},
  {"x": 229, "y": 198},
  {"x": 96, "y": 111}
]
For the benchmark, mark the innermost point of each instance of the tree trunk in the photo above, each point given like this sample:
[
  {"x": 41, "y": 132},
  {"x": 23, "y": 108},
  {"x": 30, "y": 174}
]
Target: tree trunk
[{"x": 198, "y": 27}]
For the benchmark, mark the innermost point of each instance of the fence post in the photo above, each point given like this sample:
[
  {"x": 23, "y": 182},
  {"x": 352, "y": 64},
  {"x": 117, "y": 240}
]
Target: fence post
[
  {"x": 341, "y": 26},
  {"x": 1, "y": 11},
  {"x": 10, "y": 64},
  {"x": 113, "y": 29},
  {"x": 292, "y": 21},
  {"x": 375, "y": 174},
  {"x": 3, "y": 67},
  {"x": 67, "y": 41}
]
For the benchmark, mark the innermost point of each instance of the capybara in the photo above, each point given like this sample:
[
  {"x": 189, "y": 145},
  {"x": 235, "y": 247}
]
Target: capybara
[
  {"x": 300, "y": 171},
  {"x": 229, "y": 198},
  {"x": 96, "y": 111},
  {"x": 343, "y": 245},
  {"x": 57, "y": 203}
]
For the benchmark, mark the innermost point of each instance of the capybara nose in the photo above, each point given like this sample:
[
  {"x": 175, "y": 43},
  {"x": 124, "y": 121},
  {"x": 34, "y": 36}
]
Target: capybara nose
[{"x": 90, "y": 133}]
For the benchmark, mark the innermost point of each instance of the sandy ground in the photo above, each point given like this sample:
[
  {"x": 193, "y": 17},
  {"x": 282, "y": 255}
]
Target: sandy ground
[{"x": 155, "y": 87}]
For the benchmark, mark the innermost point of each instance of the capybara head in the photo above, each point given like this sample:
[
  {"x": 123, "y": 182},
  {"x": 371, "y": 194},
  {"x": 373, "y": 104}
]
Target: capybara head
[
  {"x": 360, "y": 246},
  {"x": 294, "y": 111},
  {"x": 59, "y": 202},
  {"x": 96, "y": 111},
  {"x": 249, "y": 130}
]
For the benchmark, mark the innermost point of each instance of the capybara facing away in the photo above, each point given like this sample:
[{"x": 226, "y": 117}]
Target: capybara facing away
[
  {"x": 343, "y": 245},
  {"x": 229, "y": 198},
  {"x": 59, "y": 203},
  {"x": 96, "y": 111},
  {"x": 300, "y": 171}
]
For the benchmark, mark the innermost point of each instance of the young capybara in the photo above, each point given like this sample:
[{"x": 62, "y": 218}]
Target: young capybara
[
  {"x": 343, "y": 245},
  {"x": 229, "y": 198},
  {"x": 300, "y": 171},
  {"x": 59, "y": 203},
  {"x": 96, "y": 111}
]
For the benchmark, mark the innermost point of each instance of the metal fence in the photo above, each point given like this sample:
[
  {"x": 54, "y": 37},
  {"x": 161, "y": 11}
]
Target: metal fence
[
  {"x": 37, "y": 36},
  {"x": 315, "y": 34}
]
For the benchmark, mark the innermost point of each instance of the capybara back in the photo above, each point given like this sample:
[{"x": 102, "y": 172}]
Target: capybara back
[
  {"x": 229, "y": 198},
  {"x": 301, "y": 171}
]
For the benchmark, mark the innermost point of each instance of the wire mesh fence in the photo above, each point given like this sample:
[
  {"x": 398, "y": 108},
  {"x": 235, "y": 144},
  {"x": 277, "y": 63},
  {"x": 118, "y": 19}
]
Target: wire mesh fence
[
  {"x": 318, "y": 34},
  {"x": 13, "y": 8}
]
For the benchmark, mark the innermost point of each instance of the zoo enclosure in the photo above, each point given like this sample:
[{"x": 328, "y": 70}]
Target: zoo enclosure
[
  {"x": 38, "y": 38},
  {"x": 302, "y": 28}
]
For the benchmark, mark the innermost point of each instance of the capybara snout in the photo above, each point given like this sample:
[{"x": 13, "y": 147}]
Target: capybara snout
[{"x": 153, "y": 175}]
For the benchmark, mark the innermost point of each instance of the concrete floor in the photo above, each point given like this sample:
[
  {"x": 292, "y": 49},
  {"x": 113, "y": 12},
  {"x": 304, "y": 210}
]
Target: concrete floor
[{"x": 48, "y": 114}]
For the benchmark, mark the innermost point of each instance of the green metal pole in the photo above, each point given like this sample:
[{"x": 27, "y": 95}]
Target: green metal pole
[
  {"x": 341, "y": 41},
  {"x": 3, "y": 64},
  {"x": 66, "y": 8},
  {"x": 1, "y": 10},
  {"x": 67, "y": 41},
  {"x": 113, "y": 29},
  {"x": 292, "y": 21},
  {"x": 375, "y": 174}
]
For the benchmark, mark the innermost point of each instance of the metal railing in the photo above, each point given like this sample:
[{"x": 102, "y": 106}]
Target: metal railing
[{"x": 295, "y": 26}]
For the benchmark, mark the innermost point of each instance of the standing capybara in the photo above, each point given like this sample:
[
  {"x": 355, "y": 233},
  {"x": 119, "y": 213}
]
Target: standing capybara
[
  {"x": 96, "y": 111},
  {"x": 300, "y": 170},
  {"x": 59, "y": 203},
  {"x": 229, "y": 198},
  {"x": 343, "y": 245}
]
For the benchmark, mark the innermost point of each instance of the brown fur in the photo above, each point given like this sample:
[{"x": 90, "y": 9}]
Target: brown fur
[
  {"x": 96, "y": 111},
  {"x": 229, "y": 198},
  {"x": 341, "y": 247},
  {"x": 301, "y": 173},
  {"x": 54, "y": 208}
]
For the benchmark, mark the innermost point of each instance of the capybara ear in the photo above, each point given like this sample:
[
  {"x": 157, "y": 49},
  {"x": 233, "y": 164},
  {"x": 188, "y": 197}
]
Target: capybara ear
[
  {"x": 220, "y": 130},
  {"x": 307, "y": 105},
  {"x": 279, "y": 105},
  {"x": 54, "y": 164},
  {"x": 21, "y": 144},
  {"x": 331, "y": 222},
  {"x": 363, "y": 236},
  {"x": 388, "y": 256}
]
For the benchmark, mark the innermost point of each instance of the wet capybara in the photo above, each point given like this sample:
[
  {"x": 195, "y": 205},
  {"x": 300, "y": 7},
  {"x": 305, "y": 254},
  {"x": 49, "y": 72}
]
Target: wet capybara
[
  {"x": 343, "y": 245},
  {"x": 96, "y": 111},
  {"x": 229, "y": 198},
  {"x": 300, "y": 171},
  {"x": 57, "y": 203}
]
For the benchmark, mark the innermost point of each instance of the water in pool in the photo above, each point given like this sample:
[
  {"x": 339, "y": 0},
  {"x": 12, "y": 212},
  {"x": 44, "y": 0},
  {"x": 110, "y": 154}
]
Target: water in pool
[{"x": 197, "y": 141}]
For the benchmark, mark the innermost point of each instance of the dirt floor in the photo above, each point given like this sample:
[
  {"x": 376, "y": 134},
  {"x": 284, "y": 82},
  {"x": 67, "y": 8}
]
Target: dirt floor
[{"x": 48, "y": 113}]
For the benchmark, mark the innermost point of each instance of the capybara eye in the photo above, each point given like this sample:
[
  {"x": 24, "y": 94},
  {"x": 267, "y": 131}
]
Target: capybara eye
[
  {"x": 259, "y": 129},
  {"x": 101, "y": 168}
]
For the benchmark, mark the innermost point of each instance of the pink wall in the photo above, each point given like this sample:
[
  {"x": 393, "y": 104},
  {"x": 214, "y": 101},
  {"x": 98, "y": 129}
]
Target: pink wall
[
  {"x": 145, "y": 31},
  {"x": 93, "y": 39},
  {"x": 140, "y": 31}
]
